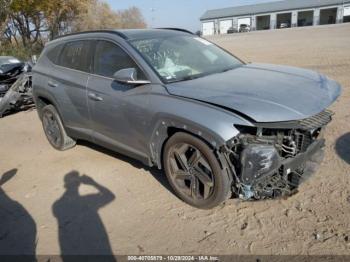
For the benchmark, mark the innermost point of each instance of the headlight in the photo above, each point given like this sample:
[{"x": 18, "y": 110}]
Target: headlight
[{"x": 257, "y": 161}]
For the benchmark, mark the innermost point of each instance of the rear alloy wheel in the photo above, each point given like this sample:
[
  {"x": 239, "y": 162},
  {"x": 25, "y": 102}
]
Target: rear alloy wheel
[
  {"x": 54, "y": 129},
  {"x": 194, "y": 172}
]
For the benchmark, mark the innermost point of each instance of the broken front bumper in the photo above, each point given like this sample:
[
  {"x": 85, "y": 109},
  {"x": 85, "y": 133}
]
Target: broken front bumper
[
  {"x": 314, "y": 154},
  {"x": 283, "y": 177}
]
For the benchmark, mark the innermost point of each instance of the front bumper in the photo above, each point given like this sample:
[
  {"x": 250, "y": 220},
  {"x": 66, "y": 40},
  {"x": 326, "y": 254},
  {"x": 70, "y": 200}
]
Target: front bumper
[
  {"x": 314, "y": 154},
  {"x": 285, "y": 177},
  {"x": 261, "y": 161}
]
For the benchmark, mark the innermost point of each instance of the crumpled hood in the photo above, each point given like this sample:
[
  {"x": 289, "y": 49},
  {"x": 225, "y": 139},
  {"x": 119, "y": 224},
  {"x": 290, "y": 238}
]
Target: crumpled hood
[{"x": 265, "y": 93}]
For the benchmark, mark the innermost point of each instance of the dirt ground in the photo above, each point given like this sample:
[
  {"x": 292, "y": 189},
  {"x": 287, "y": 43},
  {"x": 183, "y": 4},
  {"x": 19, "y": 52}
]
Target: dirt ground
[{"x": 134, "y": 211}]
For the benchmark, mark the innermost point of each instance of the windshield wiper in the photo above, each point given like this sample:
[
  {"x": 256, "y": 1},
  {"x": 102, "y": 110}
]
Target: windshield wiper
[
  {"x": 225, "y": 70},
  {"x": 192, "y": 77},
  {"x": 187, "y": 78},
  {"x": 228, "y": 69}
]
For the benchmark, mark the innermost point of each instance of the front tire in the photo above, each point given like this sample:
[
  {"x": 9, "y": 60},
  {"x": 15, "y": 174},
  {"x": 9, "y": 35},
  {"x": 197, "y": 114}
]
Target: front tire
[
  {"x": 54, "y": 129},
  {"x": 194, "y": 172}
]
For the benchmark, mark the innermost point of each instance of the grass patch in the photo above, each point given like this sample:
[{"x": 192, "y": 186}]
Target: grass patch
[{"x": 20, "y": 52}]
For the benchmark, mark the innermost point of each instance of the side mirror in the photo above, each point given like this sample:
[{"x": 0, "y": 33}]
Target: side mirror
[{"x": 129, "y": 76}]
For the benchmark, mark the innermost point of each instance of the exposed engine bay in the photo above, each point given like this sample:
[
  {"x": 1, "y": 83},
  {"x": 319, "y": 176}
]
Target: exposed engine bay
[{"x": 270, "y": 162}]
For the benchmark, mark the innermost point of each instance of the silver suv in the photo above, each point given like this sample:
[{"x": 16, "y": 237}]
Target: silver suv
[{"x": 217, "y": 126}]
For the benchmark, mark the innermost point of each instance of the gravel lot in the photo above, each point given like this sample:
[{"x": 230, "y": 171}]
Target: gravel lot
[{"x": 135, "y": 213}]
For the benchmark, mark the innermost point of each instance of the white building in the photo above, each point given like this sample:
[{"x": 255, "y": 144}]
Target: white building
[{"x": 273, "y": 15}]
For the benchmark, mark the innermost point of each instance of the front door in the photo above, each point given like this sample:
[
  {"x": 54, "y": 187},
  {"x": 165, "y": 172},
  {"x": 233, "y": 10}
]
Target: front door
[{"x": 118, "y": 111}]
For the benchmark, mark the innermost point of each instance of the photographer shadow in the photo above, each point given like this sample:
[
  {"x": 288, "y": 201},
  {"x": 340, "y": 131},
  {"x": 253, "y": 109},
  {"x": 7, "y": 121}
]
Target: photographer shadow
[
  {"x": 17, "y": 227},
  {"x": 80, "y": 228}
]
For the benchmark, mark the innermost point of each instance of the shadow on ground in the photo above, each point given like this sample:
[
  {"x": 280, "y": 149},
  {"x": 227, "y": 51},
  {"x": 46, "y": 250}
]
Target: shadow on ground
[
  {"x": 154, "y": 171},
  {"x": 342, "y": 147},
  {"x": 80, "y": 228},
  {"x": 17, "y": 227}
]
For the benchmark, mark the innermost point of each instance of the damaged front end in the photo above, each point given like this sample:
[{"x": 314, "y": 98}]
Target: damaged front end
[
  {"x": 15, "y": 85},
  {"x": 272, "y": 160},
  {"x": 18, "y": 97}
]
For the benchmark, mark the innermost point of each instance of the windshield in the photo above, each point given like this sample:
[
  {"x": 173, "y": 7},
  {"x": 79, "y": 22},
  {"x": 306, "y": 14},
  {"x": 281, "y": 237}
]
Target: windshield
[{"x": 185, "y": 57}]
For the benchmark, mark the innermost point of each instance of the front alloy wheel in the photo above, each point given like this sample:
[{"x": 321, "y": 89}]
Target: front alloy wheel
[
  {"x": 190, "y": 171},
  {"x": 194, "y": 172}
]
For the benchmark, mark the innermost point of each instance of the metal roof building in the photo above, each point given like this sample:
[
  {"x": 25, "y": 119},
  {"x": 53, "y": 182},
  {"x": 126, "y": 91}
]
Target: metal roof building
[{"x": 281, "y": 14}]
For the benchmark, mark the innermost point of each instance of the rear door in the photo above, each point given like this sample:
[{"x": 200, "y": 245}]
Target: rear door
[
  {"x": 118, "y": 111},
  {"x": 69, "y": 83}
]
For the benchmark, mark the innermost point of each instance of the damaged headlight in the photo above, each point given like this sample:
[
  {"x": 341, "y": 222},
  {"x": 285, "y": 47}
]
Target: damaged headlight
[{"x": 257, "y": 161}]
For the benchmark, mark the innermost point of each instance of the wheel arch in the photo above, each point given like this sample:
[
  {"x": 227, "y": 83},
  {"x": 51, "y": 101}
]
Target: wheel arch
[
  {"x": 173, "y": 130},
  {"x": 42, "y": 100},
  {"x": 167, "y": 127}
]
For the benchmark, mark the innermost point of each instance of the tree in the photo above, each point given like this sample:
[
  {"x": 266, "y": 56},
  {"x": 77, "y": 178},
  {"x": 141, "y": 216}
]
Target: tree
[
  {"x": 30, "y": 19},
  {"x": 132, "y": 18},
  {"x": 61, "y": 14},
  {"x": 99, "y": 15},
  {"x": 30, "y": 22},
  {"x": 3, "y": 18},
  {"x": 25, "y": 18},
  {"x": 65, "y": 16}
]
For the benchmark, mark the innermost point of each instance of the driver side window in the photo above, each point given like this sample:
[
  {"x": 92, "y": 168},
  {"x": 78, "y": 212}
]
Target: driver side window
[{"x": 110, "y": 58}]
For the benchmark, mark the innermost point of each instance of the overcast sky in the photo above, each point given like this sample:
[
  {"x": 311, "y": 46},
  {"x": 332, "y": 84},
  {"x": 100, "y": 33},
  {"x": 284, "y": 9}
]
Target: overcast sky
[{"x": 177, "y": 13}]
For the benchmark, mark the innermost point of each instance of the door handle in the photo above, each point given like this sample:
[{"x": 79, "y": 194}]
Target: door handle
[
  {"x": 52, "y": 84},
  {"x": 95, "y": 97}
]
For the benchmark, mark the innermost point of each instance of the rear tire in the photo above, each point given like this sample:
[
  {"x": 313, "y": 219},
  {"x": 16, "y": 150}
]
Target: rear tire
[
  {"x": 194, "y": 172},
  {"x": 54, "y": 129}
]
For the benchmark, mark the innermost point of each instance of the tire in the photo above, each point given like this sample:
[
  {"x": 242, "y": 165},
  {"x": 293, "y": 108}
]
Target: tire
[
  {"x": 54, "y": 129},
  {"x": 194, "y": 173}
]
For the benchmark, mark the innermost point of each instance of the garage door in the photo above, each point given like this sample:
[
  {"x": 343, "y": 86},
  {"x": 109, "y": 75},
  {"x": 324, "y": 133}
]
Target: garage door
[
  {"x": 208, "y": 28},
  {"x": 347, "y": 11},
  {"x": 225, "y": 25},
  {"x": 244, "y": 21}
]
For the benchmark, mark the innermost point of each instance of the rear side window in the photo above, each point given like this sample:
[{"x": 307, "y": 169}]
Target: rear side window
[
  {"x": 110, "y": 58},
  {"x": 76, "y": 55}
]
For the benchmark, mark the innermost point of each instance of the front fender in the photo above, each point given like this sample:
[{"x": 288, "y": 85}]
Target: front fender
[{"x": 212, "y": 124}]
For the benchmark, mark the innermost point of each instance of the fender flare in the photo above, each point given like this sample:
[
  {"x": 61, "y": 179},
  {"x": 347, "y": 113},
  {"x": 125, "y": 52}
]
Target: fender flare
[
  {"x": 39, "y": 96},
  {"x": 161, "y": 134}
]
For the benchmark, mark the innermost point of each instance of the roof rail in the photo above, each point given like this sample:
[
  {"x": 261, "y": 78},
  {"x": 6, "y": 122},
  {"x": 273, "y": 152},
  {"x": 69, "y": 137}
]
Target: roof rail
[
  {"x": 176, "y": 29},
  {"x": 94, "y": 31}
]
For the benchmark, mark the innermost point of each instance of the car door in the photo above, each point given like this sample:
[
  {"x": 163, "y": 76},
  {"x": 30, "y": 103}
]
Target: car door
[
  {"x": 69, "y": 82},
  {"x": 118, "y": 111}
]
